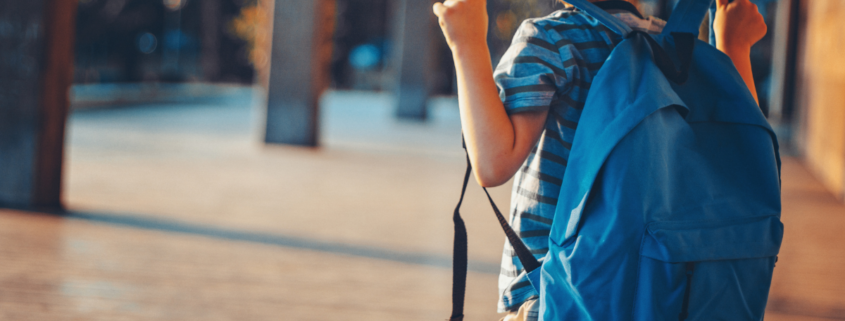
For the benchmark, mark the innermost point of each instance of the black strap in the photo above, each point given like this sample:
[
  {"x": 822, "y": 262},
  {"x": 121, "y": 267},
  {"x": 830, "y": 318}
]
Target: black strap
[
  {"x": 528, "y": 261},
  {"x": 459, "y": 256}
]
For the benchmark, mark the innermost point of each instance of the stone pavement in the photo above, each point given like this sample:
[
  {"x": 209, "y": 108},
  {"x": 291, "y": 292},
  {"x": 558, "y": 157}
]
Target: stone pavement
[{"x": 178, "y": 212}]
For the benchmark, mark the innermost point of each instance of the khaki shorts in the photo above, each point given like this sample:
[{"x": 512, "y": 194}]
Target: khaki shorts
[{"x": 522, "y": 313}]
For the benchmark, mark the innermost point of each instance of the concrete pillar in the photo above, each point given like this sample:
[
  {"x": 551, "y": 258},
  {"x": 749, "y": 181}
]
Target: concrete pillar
[
  {"x": 299, "y": 69},
  {"x": 36, "y": 70},
  {"x": 412, "y": 56}
]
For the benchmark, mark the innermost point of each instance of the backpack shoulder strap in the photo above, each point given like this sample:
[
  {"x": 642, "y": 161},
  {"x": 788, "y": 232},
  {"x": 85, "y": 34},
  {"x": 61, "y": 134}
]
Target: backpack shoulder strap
[{"x": 687, "y": 17}]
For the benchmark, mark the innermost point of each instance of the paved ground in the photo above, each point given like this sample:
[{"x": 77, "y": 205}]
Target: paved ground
[{"x": 178, "y": 212}]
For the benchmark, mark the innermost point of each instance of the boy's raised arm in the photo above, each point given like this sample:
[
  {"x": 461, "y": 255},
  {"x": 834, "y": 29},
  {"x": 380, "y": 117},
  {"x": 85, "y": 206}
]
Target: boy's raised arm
[
  {"x": 497, "y": 143},
  {"x": 738, "y": 25}
]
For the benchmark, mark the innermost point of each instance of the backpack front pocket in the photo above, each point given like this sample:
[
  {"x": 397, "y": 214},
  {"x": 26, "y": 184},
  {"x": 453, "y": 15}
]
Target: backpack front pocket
[{"x": 707, "y": 270}]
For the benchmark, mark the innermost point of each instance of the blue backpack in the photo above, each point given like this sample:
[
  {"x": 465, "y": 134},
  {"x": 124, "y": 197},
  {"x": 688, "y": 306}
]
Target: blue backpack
[{"x": 670, "y": 206}]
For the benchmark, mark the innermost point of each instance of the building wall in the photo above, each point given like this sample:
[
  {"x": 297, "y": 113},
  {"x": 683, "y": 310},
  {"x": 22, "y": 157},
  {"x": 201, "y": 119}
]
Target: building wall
[{"x": 820, "y": 92}]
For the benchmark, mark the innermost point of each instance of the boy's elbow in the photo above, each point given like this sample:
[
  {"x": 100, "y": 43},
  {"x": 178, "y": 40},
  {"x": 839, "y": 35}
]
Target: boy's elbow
[{"x": 491, "y": 176}]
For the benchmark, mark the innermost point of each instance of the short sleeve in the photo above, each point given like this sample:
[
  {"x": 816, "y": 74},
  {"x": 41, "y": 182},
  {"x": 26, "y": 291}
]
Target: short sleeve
[{"x": 531, "y": 72}]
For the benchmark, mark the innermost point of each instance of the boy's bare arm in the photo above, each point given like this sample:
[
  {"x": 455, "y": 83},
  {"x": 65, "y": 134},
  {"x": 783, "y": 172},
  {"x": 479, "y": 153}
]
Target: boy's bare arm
[
  {"x": 497, "y": 143},
  {"x": 738, "y": 25}
]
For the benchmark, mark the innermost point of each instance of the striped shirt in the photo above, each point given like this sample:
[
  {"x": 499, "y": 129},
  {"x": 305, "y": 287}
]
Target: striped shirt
[{"x": 548, "y": 67}]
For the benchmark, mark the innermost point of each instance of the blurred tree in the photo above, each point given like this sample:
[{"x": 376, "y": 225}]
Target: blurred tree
[{"x": 254, "y": 25}]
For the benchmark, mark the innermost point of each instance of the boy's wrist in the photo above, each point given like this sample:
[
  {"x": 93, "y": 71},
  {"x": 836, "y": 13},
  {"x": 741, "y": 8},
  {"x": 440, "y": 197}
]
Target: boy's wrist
[
  {"x": 470, "y": 50},
  {"x": 734, "y": 50}
]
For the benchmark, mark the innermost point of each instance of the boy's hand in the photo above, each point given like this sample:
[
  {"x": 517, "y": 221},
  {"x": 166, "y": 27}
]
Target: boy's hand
[
  {"x": 738, "y": 25},
  {"x": 464, "y": 22}
]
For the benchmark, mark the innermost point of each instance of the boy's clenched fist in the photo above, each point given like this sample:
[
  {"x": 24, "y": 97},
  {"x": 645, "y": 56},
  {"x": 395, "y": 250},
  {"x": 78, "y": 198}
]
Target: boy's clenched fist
[
  {"x": 464, "y": 22},
  {"x": 737, "y": 25}
]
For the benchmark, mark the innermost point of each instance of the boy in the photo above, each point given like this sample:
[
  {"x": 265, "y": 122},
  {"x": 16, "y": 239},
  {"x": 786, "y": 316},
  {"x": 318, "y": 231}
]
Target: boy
[{"x": 521, "y": 119}]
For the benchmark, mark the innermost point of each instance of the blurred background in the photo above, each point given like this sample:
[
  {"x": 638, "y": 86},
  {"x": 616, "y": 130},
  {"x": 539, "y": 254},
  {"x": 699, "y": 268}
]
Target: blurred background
[{"x": 270, "y": 159}]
